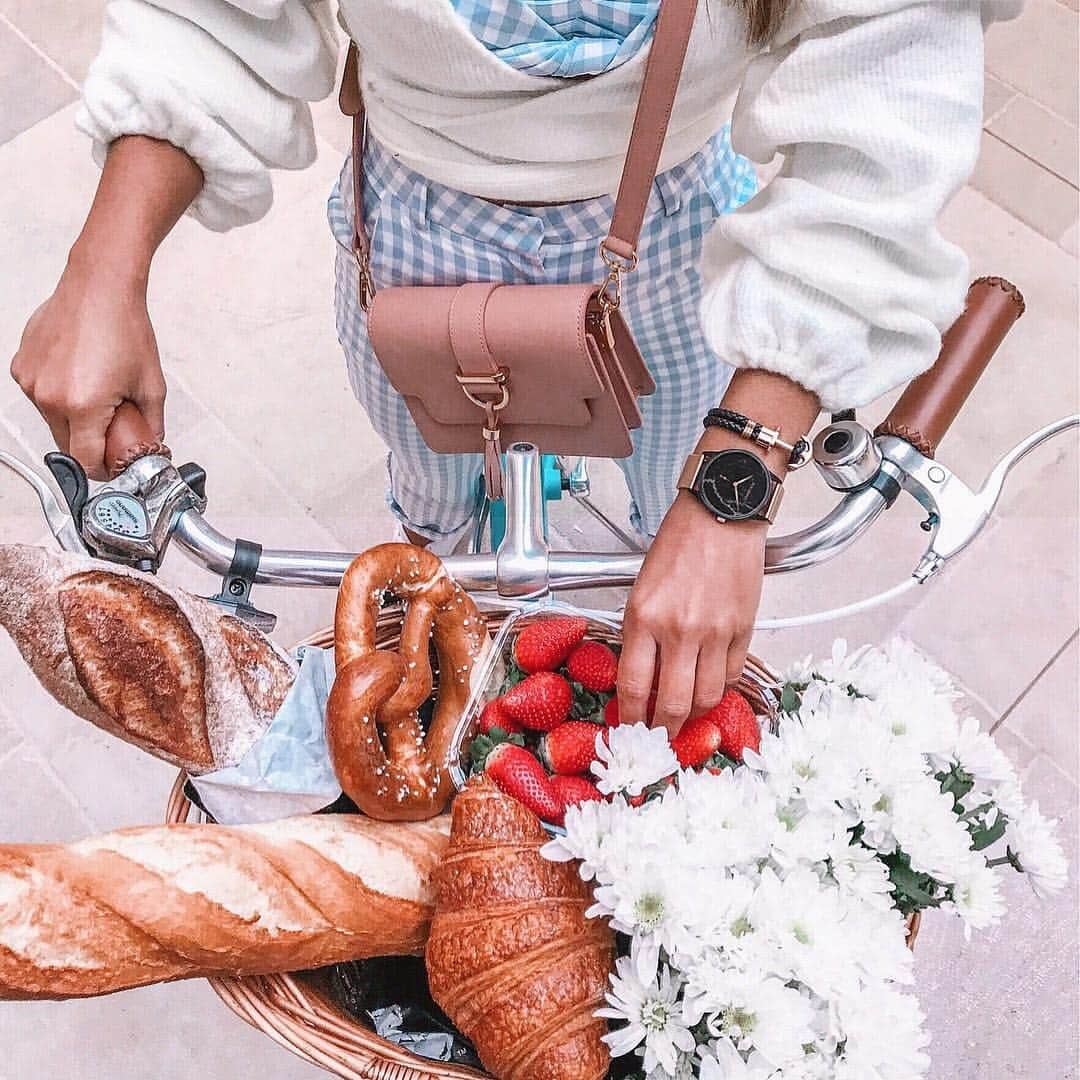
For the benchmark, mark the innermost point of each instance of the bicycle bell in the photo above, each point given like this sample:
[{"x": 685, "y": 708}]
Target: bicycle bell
[
  {"x": 129, "y": 519},
  {"x": 846, "y": 455}
]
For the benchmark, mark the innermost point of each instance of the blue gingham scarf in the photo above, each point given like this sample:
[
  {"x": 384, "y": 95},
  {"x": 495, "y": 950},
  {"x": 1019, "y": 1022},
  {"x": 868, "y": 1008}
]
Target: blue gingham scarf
[{"x": 560, "y": 37}]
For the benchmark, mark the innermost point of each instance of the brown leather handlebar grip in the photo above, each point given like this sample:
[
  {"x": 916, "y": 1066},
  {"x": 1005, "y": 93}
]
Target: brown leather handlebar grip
[
  {"x": 931, "y": 402},
  {"x": 129, "y": 438}
]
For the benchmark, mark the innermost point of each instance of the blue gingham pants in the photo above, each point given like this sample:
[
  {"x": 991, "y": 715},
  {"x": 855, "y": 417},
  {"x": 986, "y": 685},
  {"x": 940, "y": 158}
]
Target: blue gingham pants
[{"x": 423, "y": 233}]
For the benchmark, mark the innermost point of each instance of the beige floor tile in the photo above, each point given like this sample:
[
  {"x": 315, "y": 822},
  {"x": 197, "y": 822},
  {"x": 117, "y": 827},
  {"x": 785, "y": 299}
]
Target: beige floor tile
[
  {"x": 996, "y": 95},
  {"x": 1040, "y": 134},
  {"x": 1069, "y": 240},
  {"x": 37, "y": 808},
  {"x": 67, "y": 33},
  {"x": 1033, "y": 377},
  {"x": 172, "y": 1032},
  {"x": 1004, "y": 1004},
  {"x": 1024, "y": 188},
  {"x": 1037, "y": 53},
  {"x": 1046, "y": 715},
  {"x": 29, "y": 89},
  {"x": 10, "y": 736}
]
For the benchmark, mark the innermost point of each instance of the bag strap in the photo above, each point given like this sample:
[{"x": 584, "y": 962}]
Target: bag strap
[
  {"x": 674, "y": 24},
  {"x": 663, "y": 68}
]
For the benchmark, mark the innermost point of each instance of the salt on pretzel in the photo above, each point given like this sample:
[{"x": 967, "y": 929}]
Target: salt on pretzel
[{"x": 383, "y": 759}]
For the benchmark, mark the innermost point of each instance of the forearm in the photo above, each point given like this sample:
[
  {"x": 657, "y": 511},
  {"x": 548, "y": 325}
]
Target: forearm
[{"x": 145, "y": 187}]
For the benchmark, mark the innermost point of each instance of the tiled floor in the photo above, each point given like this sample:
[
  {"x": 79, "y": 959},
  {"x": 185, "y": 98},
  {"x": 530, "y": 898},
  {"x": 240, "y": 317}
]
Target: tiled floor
[{"x": 258, "y": 395}]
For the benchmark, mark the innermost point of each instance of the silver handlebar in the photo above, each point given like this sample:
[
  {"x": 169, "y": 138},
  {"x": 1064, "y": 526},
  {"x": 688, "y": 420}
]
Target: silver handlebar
[
  {"x": 870, "y": 473},
  {"x": 525, "y": 567}
]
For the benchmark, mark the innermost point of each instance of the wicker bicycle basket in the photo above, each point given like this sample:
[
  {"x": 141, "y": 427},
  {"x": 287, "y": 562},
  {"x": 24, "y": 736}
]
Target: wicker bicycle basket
[{"x": 296, "y": 1011}]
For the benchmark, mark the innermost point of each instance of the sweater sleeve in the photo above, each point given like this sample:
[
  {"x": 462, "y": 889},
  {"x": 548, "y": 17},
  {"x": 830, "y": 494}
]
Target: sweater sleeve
[
  {"x": 836, "y": 275},
  {"x": 227, "y": 81}
]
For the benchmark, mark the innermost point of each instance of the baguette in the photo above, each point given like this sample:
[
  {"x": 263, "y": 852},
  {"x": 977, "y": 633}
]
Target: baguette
[
  {"x": 159, "y": 903},
  {"x": 170, "y": 672}
]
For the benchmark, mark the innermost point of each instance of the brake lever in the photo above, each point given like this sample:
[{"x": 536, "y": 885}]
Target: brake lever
[
  {"x": 61, "y": 524},
  {"x": 955, "y": 513}
]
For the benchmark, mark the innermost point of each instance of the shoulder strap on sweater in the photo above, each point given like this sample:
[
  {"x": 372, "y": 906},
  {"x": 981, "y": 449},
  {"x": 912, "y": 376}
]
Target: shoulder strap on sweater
[{"x": 663, "y": 68}]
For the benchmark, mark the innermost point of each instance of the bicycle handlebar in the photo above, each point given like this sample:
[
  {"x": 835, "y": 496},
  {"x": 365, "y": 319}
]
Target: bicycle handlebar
[{"x": 927, "y": 408}]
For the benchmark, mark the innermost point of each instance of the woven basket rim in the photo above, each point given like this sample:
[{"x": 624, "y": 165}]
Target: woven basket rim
[{"x": 301, "y": 1019}]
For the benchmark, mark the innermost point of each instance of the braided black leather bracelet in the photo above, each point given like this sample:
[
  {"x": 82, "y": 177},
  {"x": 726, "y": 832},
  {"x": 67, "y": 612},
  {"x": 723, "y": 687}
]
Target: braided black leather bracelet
[{"x": 736, "y": 422}]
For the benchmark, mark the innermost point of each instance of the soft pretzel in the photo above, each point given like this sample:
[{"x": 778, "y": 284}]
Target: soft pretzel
[{"x": 384, "y": 760}]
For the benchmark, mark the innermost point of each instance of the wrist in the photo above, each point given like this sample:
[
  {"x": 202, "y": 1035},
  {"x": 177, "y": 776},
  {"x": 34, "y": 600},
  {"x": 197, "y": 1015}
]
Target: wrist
[{"x": 115, "y": 264}]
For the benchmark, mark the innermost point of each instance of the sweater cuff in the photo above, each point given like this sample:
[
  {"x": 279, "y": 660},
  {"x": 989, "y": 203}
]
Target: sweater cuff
[
  {"x": 236, "y": 189},
  {"x": 754, "y": 317}
]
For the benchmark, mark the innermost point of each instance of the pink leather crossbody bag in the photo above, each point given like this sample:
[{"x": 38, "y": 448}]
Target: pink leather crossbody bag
[{"x": 555, "y": 365}]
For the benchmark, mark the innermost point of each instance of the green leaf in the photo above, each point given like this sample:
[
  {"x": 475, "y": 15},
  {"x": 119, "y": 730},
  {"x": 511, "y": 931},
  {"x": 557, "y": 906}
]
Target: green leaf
[
  {"x": 913, "y": 891},
  {"x": 790, "y": 698},
  {"x": 513, "y": 676},
  {"x": 987, "y": 835},
  {"x": 482, "y": 745},
  {"x": 588, "y": 704}
]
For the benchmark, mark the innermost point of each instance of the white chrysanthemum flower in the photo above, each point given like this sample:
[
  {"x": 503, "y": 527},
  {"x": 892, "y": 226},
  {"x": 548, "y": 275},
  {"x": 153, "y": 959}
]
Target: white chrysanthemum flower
[
  {"x": 729, "y": 817},
  {"x": 860, "y": 873},
  {"x": 977, "y": 896},
  {"x": 1031, "y": 838},
  {"x": 756, "y": 1010},
  {"x": 645, "y": 901},
  {"x": 631, "y": 758},
  {"x": 588, "y": 826},
  {"x": 648, "y": 1004},
  {"x": 929, "y": 832},
  {"x": 884, "y": 1034},
  {"x": 977, "y": 754}
]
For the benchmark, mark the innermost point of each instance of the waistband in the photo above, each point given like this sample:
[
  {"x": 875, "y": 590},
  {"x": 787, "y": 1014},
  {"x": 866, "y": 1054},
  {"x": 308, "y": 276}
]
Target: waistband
[{"x": 584, "y": 219}]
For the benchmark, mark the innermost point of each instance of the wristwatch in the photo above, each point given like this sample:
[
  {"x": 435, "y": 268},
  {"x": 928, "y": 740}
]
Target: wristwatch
[{"x": 733, "y": 485}]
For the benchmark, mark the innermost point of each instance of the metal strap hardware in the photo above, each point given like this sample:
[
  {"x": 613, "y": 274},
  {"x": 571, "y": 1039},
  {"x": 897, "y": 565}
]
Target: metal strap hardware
[{"x": 495, "y": 381}]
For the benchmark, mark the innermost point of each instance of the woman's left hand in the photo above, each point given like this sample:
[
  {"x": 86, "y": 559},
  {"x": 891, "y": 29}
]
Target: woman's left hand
[{"x": 688, "y": 622}]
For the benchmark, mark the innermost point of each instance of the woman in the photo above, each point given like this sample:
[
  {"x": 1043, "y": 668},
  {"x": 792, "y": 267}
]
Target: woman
[{"x": 497, "y": 133}]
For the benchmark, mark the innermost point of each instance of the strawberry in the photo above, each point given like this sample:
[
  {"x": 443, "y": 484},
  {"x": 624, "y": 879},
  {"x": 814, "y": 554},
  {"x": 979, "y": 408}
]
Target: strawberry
[
  {"x": 698, "y": 739},
  {"x": 739, "y": 727},
  {"x": 546, "y": 643},
  {"x": 518, "y": 774},
  {"x": 570, "y": 748},
  {"x": 540, "y": 701},
  {"x": 496, "y": 716},
  {"x": 593, "y": 665},
  {"x": 611, "y": 711},
  {"x": 574, "y": 790}
]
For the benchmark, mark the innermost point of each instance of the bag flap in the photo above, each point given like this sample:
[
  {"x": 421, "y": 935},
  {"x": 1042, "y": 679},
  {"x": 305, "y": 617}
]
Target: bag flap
[{"x": 423, "y": 334}]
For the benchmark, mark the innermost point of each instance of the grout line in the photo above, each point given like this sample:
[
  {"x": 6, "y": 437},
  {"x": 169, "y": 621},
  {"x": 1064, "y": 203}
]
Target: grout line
[
  {"x": 1030, "y": 97},
  {"x": 1035, "y": 161},
  {"x": 5, "y": 21},
  {"x": 1030, "y": 686},
  {"x": 989, "y": 118}
]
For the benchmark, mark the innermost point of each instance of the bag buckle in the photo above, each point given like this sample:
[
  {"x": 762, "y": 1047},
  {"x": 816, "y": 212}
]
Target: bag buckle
[
  {"x": 610, "y": 295},
  {"x": 493, "y": 381},
  {"x": 365, "y": 282}
]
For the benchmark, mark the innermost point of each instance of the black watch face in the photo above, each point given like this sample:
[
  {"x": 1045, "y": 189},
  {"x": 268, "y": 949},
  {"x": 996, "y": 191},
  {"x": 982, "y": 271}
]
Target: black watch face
[{"x": 735, "y": 485}]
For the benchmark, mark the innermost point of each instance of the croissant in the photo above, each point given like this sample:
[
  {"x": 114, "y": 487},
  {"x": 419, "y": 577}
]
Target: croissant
[
  {"x": 153, "y": 904},
  {"x": 511, "y": 957},
  {"x": 169, "y": 672}
]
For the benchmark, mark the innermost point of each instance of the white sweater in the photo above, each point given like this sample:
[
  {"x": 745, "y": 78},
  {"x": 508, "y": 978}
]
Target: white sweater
[{"x": 835, "y": 275}]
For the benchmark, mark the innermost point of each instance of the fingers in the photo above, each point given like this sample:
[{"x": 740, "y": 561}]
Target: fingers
[
  {"x": 58, "y": 428},
  {"x": 711, "y": 676},
  {"x": 736, "y": 656},
  {"x": 87, "y": 442},
  {"x": 637, "y": 664},
  {"x": 678, "y": 663}
]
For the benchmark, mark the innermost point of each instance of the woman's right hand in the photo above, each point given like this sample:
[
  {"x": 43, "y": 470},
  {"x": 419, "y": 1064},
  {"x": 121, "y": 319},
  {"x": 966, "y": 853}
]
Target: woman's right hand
[{"x": 88, "y": 348}]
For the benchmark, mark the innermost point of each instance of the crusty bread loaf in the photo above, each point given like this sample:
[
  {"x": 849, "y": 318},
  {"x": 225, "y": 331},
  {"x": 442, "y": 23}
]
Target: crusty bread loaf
[
  {"x": 167, "y": 671},
  {"x": 512, "y": 958},
  {"x": 166, "y": 902}
]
